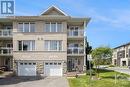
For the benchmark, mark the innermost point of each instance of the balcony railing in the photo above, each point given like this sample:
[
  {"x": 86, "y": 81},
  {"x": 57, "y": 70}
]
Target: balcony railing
[
  {"x": 6, "y": 50},
  {"x": 5, "y": 33},
  {"x": 75, "y": 50},
  {"x": 75, "y": 33}
]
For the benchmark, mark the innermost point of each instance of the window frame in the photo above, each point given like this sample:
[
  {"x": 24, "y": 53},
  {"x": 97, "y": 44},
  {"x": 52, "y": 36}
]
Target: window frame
[
  {"x": 32, "y": 45},
  {"x": 56, "y": 27},
  {"x": 23, "y": 27},
  {"x": 59, "y": 46}
]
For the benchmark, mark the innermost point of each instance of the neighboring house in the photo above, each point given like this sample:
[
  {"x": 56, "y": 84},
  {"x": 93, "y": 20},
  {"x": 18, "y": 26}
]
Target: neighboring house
[
  {"x": 51, "y": 44},
  {"x": 121, "y": 55}
]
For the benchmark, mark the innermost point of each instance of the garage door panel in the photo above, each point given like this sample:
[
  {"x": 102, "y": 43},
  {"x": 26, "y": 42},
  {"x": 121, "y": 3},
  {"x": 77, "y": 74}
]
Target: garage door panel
[
  {"x": 26, "y": 70},
  {"x": 53, "y": 69}
]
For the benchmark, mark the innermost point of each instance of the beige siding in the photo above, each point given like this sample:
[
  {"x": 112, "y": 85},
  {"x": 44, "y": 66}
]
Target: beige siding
[
  {"x": 40, "y": 56},
  {"x": 40, "y": 37}
]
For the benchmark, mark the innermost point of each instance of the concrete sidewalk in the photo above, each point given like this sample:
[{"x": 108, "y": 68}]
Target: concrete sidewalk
[{"x": 121, "y": 70}]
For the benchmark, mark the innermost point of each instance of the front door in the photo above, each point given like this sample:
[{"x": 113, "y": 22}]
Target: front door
[{"x": 71, "y": 64}]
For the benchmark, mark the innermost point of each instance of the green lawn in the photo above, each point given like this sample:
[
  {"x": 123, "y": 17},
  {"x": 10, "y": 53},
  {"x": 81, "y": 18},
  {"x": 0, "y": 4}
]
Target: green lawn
[{"x": 107, "y": 80}]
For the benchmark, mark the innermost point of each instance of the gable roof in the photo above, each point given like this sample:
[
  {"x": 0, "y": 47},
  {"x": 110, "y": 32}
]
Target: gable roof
[{"x": 59, "y": 11}]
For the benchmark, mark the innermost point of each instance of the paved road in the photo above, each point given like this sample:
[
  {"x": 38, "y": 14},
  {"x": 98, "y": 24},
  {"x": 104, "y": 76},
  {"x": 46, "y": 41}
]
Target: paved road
[
  {"x": 118, "y": 69},
  {"x": 34, "y": 82}
]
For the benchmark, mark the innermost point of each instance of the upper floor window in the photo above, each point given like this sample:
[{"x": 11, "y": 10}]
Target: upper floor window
[
  {"x": 75, "y": 31},
  {"x": 26, "y": 45},
  {"x": 53, "y": 27},
  {"x": 26, "y": 27},
  {"x": 53, "y": 45}
]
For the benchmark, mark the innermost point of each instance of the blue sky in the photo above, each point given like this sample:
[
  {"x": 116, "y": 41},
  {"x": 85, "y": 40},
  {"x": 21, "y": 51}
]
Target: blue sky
[{"x": 110, "y": 23}]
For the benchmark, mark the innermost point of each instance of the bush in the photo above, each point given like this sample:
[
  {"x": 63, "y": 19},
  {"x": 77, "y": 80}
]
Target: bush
[
  {"x": 111, "y": 65},
  {"x": 1, "y": 71},
  {"x": 92, "y": 72},
  {"x": 121, "y": 77}
]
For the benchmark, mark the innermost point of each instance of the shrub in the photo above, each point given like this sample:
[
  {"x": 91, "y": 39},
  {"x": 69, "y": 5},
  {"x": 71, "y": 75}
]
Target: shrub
[
  {"x": 111, "y": 65},
  {"x": 121, "y": 77},
  {"x": 92, "y": 72}
]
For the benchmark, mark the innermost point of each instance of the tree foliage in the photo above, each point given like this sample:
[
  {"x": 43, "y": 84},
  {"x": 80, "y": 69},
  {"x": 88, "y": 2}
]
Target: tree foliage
[
  {"x": 88, "y": 50},
  {"x": 102, "y": 55}
]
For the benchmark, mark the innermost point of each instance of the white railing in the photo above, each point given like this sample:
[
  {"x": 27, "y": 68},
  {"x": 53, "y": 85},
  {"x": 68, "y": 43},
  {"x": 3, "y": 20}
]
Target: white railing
[
  {"x": 5, "y": 32},
  {"x": 76, "y": 33},
  {"x": 6, "y": 50},
  {"x": 75, "y": 50}
]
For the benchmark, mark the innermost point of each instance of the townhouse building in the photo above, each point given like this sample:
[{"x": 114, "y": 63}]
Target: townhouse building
[
  {"x": 121, "y": 55},
  {"x": 51, "y": 44}
]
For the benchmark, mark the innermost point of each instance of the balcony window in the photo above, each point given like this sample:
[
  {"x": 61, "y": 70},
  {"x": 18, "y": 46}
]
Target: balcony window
[
  {"x": 26, "y": 27},
  {"x": 53, "y": 45},
  {"x": 26, "y": 45},
  {"x": 75, "y": 31},
  {"x": 59, "y": 27},
  {"x": 75, "y": 50},
  {"x": 53, "y": 27}
]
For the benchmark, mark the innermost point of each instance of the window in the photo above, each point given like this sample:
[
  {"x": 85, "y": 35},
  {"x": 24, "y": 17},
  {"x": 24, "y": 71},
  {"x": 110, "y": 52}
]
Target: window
[
  {"x": 20, "y": 45},
  {"x": 25, "y": 63},
  {"x": 46, "y": 63},
  {"x": 53, "y": 45},
  {"x": 20, "y": 27},
  {"x": 26, "y": 27},
  {"x": 47, "y": 29},
  {"x": 34, "y": 63},
  {"x": 55, "y": 63},
  {"x": 21, "y": 63},
  {"x": 32, "y": 27},
  {"x": 26, "y": 45},
  {"x": 30, "y": 63},
  {"x": 59, "y": 27},
  {"x": 73, "y": 31},
  {"x": 53, "y": 27},
  {"x": 59, "y": 63},
  {"x": 51, "y": 63}
]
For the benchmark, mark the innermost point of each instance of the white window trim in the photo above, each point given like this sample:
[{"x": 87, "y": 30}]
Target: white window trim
[
  {"x": 56, "y": 27},
  {"x": 50, "y": 28},
  {"x": 29, "y": 23},
  {"x": 31, "y": 45},
  {"x": 57, "y": 43}
]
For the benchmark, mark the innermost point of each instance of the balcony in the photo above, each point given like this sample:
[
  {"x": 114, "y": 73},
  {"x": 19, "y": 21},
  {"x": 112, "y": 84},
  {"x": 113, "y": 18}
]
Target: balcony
[
  {"x": 4, "y": 33},
  {"x": 75, "y": 50},
  {"x": 6, "y": 51},
  {"x": 75, "y": 33}
]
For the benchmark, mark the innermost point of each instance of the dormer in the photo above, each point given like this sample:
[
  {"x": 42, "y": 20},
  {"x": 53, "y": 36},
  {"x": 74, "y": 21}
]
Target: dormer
[{"x": 53, "y": 10}]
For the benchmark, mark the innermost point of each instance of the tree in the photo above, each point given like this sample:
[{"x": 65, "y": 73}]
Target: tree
[
  {"x": 88, "y": 50},
  {"x": 100, "y": 56}
]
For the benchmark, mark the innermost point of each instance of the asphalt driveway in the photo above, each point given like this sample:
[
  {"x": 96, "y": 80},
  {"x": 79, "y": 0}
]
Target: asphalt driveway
[{"x": 34, "y": 82}]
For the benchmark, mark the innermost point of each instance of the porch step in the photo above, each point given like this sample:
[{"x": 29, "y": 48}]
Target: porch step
[{"x": 72, "y": 74}]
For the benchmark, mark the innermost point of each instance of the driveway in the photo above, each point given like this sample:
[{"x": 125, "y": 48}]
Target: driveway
[{"x": 34, "y": 82}]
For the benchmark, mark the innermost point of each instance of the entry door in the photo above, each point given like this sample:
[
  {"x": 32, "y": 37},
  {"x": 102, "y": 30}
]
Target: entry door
[{"x": 71, "y": 64}]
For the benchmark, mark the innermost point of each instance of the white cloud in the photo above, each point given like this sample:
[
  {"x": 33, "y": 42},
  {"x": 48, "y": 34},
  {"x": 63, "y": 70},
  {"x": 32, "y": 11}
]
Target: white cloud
[{"x": 115, "y": 18}]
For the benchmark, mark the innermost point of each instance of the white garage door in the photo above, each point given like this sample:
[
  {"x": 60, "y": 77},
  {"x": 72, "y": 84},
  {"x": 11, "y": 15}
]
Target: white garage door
[
  {"x": 26, "y": 69},
  {"x": 53, "y": 69}
]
